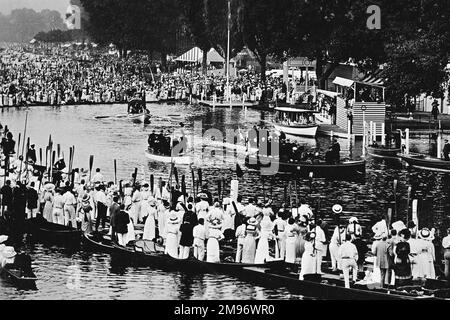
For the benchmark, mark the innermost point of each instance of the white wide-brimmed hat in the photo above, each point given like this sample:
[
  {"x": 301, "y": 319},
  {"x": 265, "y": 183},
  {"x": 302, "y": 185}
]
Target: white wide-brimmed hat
[
  {"x": 9, "y": 252},
  {"x": 337, "y": 208},
  {"x": 3, "y": 238},
  {"x": 353, "y": 219}
]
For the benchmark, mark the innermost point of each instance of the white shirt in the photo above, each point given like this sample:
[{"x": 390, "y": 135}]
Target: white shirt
[
  {"x": 98, "y": 177},
  {"x": 100, "y": 196},
  {"x": 240, "y": 231},
  {"x": 446, "y": 242},
  {"x": 69, "y": 198},
  {"x": 348, "y": 250},
  {"x": 199, "y": 231}
]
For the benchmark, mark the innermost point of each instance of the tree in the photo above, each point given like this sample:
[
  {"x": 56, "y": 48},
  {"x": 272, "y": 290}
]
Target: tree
[{"x": 259, "y": 23}]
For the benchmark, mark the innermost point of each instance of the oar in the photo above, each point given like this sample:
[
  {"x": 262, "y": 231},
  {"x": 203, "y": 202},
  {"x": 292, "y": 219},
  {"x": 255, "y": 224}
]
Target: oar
[
  {"x": 160, "y": 186},
  {"x": 152, "y": 183},
  {"x": 135, "y": 176},
  {"x": 224, "y": 184},
  {"x": 200, "y": 180},
  {"x": 407, "y": 205},
  {"x": 183, "y": 187},
  {"x": 219, "y": 188},
  {"x": 52, "y": 162},
  {"x": 40, "y": 156},
  {"x": 175, "y": 172},
  {"x": 395, "y": 198},
  {"x": 58, "y": 147},
  {"x": 91, "y": 163},
  {"x": 193, "y": 186},
  {"x": 70, "y": 163},
  {"x": 389, "y": 218},
  {"x": 120, "y": 189},
  {"x": 264, "y": 188},
  {"x": 18, "y": 144},
  {"x": 115, "y": 171}
]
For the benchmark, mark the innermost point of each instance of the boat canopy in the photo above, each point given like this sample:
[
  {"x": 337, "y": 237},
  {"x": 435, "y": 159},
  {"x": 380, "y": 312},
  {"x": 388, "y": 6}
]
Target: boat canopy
[{"x": 295, "y": 110}]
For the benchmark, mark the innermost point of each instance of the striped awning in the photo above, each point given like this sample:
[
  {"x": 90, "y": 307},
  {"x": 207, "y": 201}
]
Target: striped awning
[
  {"x": 375, "y": 79},
  {"x": 196, "y": 55}
]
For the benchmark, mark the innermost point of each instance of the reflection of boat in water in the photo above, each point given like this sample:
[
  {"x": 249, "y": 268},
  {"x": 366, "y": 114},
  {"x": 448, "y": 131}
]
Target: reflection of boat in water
[
  {"x": 422, "y": 161},
  {"x": 297, "y": 122},
  {"x": 137, "y": 112},
  {"x": 177, "y": 159},
  {"x": 346, "y": 168},
  {"x": 383, "y": 152}
]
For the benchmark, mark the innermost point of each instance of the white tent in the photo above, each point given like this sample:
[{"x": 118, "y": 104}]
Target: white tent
[{"x": 195, "y": 55}]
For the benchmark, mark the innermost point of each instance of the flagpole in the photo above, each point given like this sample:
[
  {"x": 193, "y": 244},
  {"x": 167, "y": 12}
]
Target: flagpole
[{"x": 228, "y": 52}]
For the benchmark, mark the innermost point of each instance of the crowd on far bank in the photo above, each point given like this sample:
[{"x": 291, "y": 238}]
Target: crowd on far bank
[{"x": 56, "y": 76}]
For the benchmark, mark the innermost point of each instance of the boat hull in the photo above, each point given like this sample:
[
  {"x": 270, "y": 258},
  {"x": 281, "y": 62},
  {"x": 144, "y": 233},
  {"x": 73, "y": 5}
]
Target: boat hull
[
  {"x": 384, "y": 153},
  {"x": 303, "y": 131},
  {"x": 45, "y": 231},
  {"x": 329, "y": 291},
  {"x": 158, "y": 259},
  {"x": 346, "y": 169},
  {"x": 427, "y": 163},
  {"x": 181, "y": 160},
  {"x": 139, "y": 118}
]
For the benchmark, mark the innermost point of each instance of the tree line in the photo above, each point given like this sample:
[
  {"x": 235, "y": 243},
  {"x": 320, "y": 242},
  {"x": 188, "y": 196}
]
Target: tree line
[{"x": 412, "y": 45}]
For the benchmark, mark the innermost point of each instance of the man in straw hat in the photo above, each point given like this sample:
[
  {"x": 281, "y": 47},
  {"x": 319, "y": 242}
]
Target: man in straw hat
[
  {"x": 349, "y": 256},
  {"x": 427, "y": 256}
]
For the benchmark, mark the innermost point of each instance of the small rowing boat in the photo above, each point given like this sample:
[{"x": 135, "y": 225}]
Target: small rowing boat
[
  {"x": 139, "y": 117},
  {"x": 180, "y": 160},
  {"x": 424, "y": 162},
  {"x": 149, "y": 253},
  {"x": 384, "y": 153},
  {"x": 19, "y": 272},
  {"x": 46, "y": 231},
  {"x": 296, "y": 122},
  {"x": 346, "y": 168},
  {"x": 332, "y": 287}
]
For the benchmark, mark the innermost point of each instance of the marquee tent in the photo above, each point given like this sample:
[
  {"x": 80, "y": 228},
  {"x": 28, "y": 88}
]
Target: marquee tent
[{"x": 195, "y": 55}]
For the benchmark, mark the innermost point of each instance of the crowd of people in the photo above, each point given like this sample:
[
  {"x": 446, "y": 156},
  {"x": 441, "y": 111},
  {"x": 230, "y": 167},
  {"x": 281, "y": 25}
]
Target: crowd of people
[
  {"x": 57, "y": 75},
  {"x": 200, "y": 225}
]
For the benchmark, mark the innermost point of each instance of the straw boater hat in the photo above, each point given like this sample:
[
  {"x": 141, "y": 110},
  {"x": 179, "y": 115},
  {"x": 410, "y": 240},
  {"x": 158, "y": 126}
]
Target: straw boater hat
[
  {"x": 353, "y": 219},
  {"x": 49, "y": 186},
  {"x": 173, "y": 218},
  {"x": 216, "y": 224},
  {"x": 203, "y": 195},
  {"x": 86, "y": 198},
  {"x": 166, "y": 204},
  {"x": 426, "y": 234},
  {"x": 337, "y": 208},
  {"x": 252, "y": 221},
  {"x": 152, "y": 201}
]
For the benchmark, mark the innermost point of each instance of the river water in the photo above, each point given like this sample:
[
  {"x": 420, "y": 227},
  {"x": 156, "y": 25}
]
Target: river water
[{"x": 84, "y": 275}]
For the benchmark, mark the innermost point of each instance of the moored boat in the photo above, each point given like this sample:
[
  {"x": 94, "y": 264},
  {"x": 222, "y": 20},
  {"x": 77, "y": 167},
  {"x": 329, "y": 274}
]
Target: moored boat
[
  {"x": 181, "y": 160},
  {"x": 296, "y": 122},
  {"x": 19, "y": 272},
  {"x": 346, "y": 168},
  {"x": 331, "y": 287},
  {"x": 384, "y": 153},
  {"x": 137, "y": 112},
  {"x": 46, "y": 231},
  {"x": 149, "y": 253},
  {"x": 421, "y": 161}
]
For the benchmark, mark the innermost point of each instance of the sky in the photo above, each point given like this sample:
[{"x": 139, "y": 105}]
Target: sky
[{"x": 6, "y": 6}]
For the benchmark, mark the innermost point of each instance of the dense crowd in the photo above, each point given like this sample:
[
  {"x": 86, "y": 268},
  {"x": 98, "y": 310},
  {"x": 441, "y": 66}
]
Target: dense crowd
[
  {"x": 201, "y": 224},
  {"x": 61, "y": 75}
]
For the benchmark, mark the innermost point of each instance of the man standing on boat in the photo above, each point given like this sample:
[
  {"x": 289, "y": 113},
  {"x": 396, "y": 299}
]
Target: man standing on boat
[
  {"x": 446, "y": 150},
  {"x": 336, "y": 148}
]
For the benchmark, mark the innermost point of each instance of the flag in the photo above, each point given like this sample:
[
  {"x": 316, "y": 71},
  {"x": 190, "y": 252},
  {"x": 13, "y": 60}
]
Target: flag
[{"x": 73, "y": 17}]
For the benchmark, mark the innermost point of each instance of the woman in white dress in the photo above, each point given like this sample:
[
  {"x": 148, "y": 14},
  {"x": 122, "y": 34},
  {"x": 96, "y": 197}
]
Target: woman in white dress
[
  {"x": 249, "y": 247},
  {"x": 136, "y": 205},
  {"x": 214, "y": 235},
  {"x": 149, "y": 227},
  {"x": 172, "y": 229},
  {"x": 336, "y": 240},
  {"x": 308, "y": 264},
  {"x": 292, "y": 230},
  {"x": 48, "y": 201},
  {"x": 428, "y": 253},
  {"x": 130, "y": 235},
  {"x": 262, "y": 250}
]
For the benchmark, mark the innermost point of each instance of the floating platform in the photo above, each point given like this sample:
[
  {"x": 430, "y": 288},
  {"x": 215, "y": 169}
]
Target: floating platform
[{"x": 233, "y": 104}]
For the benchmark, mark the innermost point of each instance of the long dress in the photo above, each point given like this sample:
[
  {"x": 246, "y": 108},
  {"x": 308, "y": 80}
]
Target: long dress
[
  {"x": 162, "y": 221},
  {"x": 130, "y": 235},
  {"x": 86, "y": 222},
  {"x": 427, "y": 258},
  {"x": 149, "y": 227},
  {"x": 212, "y": 246},
  {"x": 48, "y": 206},
  {"x": 135, "y": 206},
  {"x": 262, "y": 250},
  {"x": 291, "y": 237},
  {"x": 249, "y": 248},
  {"x": 308, "y": 264},
  {"x": 172, "y": 230},
  {"x": 415, "y": 246}
]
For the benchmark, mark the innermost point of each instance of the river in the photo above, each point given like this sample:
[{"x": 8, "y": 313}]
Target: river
[{"x": 83, "y": 275}]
